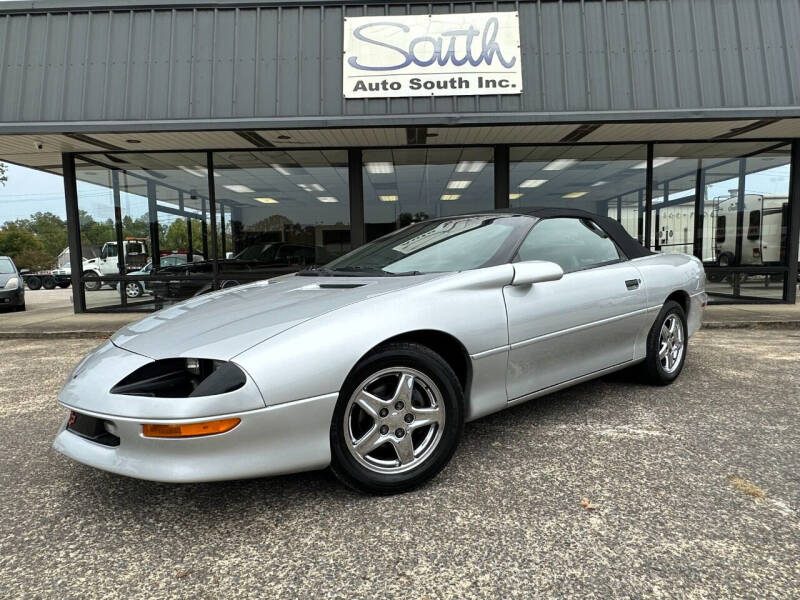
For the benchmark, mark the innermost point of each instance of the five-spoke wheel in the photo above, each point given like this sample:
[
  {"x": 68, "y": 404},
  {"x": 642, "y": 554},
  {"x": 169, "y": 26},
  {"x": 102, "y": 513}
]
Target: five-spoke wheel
[
  {"x": 394, "y": 420},
  {"x": 670, "y": 351},
  {"x": 398, "y": 419},
  {"x": 666, "y": 345}
]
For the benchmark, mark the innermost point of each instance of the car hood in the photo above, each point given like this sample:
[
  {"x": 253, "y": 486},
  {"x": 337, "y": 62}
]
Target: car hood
[{"x": 225, "y": 323}]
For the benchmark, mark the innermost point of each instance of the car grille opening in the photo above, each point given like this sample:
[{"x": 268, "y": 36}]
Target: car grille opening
[{"x": 92, "y": 429}]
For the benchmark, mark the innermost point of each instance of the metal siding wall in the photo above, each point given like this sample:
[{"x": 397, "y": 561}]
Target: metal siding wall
[{"x": 591, "y": 55}]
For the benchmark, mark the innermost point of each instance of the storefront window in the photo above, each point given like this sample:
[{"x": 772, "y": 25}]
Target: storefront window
[
  {"x": 279, "y": 212},
  {"x": 156, "y": 199},
  {"x": 404, "y": 186},
  {"x": 607, "y": 180}
]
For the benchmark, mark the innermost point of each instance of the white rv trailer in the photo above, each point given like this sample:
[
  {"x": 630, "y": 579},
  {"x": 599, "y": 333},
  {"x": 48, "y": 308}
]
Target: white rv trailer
[{"x": 763, "y": 232}]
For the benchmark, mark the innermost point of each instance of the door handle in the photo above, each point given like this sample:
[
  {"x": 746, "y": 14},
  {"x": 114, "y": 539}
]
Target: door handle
[{"x": 632, "y": 284}]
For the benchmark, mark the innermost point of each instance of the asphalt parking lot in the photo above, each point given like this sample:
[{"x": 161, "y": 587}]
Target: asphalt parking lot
[{"x": 696, "y": 489}]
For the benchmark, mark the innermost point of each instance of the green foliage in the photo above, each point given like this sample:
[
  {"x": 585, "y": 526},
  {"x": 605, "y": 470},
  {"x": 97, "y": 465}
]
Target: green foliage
[
  {"x": 3, "y": 176},
  {"x": 21, "y": 245},
  {"x": 35, "y": 260}
]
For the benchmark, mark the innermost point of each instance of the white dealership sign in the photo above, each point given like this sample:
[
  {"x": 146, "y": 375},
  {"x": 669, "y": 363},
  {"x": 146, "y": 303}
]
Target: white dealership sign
[{"x": 432, "y": 55}]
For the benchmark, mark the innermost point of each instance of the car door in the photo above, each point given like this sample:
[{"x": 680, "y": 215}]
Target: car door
[{"x": 583, "y": 323}]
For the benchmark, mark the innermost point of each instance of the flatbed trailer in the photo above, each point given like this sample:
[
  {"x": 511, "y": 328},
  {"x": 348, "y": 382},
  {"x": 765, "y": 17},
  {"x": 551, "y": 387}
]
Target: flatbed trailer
[{"x": 48, "y": 281}]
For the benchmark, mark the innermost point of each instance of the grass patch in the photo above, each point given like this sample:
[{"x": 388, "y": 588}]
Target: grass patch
[{"x": 747, "y": 487}]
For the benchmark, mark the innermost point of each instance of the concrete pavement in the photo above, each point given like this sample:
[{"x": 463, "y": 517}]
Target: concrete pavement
[{"x": 695, "y": 487}]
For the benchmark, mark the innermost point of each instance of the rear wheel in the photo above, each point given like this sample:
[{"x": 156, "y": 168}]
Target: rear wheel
[
  {"x": 666, "y": 345},
  {"x": 133, "y": 289},
  {"x": 398, "y": 420},
  {"x": 48, "y": 283},
  {"x": 64, "y": 285},
  {"x": 34, "y": 283}
]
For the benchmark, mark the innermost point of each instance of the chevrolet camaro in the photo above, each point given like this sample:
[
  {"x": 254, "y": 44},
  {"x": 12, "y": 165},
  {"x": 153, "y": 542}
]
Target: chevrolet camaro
[{"x": 371, "y": 364}]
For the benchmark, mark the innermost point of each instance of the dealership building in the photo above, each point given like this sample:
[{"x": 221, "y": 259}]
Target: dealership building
[{"x": 256, "y": 138}]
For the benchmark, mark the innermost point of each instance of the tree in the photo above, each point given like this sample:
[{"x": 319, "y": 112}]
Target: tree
[
  {"x": 23, "y": 247},
  {"x": 51, "y": 231},
  {"x": 3, "y": 176}
]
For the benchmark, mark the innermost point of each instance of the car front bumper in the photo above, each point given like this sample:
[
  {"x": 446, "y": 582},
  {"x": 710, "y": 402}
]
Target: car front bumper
[
  {"x": 12, "y": 297},
  {"x": 285, "y": 438}
]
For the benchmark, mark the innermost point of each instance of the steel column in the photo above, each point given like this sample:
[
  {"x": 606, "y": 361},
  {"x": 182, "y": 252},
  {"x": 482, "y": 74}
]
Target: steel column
[
  {"x": 73, "y": 232},
  {"x": 793, "y": 237},
  {"x": 212, "y": 208},
  {"x": 121, "y": 269},
  {"x": 699, "y": 215},
  {"x": 648, "y": 200},
  {"x": 355, "y": 181},
  {"x": 502, "y": 187},
  {"x": 155, "y": 232}
]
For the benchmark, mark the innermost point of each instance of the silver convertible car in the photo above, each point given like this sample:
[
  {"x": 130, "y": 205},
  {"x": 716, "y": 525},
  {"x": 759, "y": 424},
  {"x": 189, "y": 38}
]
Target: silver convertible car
[{"x": 372, "y": 363}]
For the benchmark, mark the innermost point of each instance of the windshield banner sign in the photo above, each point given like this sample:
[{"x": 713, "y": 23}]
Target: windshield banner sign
[{"x": 432, "y": 55}]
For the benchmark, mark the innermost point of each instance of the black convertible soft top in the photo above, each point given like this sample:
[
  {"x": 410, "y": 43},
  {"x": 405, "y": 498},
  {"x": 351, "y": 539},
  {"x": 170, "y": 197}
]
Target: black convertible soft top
[{"x": 631, "y": 247}]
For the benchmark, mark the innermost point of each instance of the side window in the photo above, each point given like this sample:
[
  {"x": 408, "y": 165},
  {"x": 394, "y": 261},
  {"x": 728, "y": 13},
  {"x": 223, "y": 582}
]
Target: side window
[
  {"x": 754, "y": 227},
  {"x": 720, "y": 229},
  {"x": 574, "y": 244}
]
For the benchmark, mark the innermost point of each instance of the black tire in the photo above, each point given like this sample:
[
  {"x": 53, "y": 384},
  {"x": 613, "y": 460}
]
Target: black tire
[
  {"x": 653, "y": 369},
  {"x": 403, "y": 355},
  {"x": 48, "y": 283},
  {"x": 64, "y": 285},
  {"x": 91, "y": 281},
  {"x": 34, "y": 283}
]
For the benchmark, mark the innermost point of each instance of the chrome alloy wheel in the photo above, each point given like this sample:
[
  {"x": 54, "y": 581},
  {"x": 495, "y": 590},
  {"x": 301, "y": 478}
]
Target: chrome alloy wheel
[
  {"x": 394, "y": 420},
  {"x": 132, "y": 290},
  {"x": 671, "y": 347}
]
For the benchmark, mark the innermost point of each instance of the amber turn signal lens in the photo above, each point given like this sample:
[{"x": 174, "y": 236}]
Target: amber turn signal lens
[{"x": 189, "y": 429}]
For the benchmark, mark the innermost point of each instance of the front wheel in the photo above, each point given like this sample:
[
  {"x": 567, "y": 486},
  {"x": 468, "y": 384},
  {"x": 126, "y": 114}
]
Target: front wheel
[
  {"x": 398, "y": 420},
  {"x": 666, "y": 345}
]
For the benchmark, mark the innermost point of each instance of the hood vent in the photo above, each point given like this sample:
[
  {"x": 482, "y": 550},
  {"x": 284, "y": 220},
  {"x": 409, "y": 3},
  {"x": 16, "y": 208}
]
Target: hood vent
[
  {"x": 339, "y": 286},
  {"x": 331, "y": 286}
]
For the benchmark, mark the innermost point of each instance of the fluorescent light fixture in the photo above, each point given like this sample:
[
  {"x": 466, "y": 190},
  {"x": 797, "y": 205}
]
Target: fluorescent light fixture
[
  {"x": 191, "y": 171},
  {"x": 657, "y": 162},
  {"x": 532, "y": 183},
  {"x": 450, "y": 196},
  {"x": 280, "y": 170},
  {"x": 239, "y": 189},
  {"x": 311, "y": 187},
  {"x": 559, "y": 164},
  {"x": 267, "y": 200},
  {"x": 515, "y": 196},
  {"x": 388, "y": 198},
  {"x": 379, "y": 167},
  {"x": 599, "y": 183},
  {"x": 458, "y": 184},
  {"x": 574, "y": 194},
  {"x": 470, "y": 166},
  {"x": 327, "y": 199}
]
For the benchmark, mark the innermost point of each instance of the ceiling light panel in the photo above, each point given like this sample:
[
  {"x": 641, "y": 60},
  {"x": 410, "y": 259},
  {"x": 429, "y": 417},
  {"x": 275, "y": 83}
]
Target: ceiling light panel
[
  {"x": 470, "y": 166},
  {"x": 559, "y": 164},
  {"x": 377, "y": 168},
  {"x": 532, "y": 183},
  {"x": 458, "y": 184}
]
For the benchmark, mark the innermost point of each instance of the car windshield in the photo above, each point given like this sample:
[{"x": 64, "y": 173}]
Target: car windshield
[
  {"x": 442, "y": 245},
  {"x": 258, "y": 252},
  {"x": 6, "y": 266}
]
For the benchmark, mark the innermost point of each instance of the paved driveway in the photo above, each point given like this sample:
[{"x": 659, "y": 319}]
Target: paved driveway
[{"x": 696, "y": 488}]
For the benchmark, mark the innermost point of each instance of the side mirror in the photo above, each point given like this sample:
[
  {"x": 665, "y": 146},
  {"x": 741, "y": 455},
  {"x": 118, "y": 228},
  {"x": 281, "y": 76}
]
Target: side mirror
[{"x": 536, "y": 271}]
